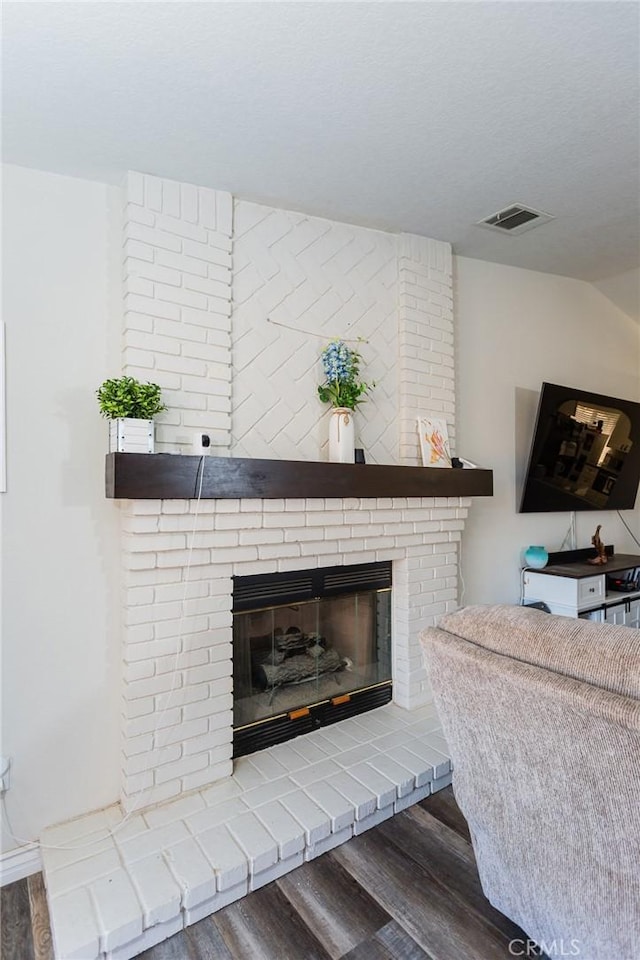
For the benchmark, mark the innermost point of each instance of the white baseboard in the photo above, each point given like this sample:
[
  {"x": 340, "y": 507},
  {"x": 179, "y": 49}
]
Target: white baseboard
[{"x": 19, "y": 863}]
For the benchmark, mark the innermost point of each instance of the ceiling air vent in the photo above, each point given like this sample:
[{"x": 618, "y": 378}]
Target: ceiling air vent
[{"x": 515, "y": 219}]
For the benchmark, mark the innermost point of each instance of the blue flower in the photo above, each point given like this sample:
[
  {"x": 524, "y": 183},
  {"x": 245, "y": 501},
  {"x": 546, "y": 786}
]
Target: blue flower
[{"x": 341, "y": 365}]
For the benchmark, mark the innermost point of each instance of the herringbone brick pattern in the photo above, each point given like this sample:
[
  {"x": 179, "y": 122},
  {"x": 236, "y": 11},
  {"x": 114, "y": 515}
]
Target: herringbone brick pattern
[{"x": 299, "y": 282}]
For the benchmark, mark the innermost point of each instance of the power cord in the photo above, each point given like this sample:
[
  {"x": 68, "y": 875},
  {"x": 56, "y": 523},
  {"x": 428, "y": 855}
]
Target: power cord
[
  {"x": 523, "y": 570},
  {"x": 629, "y": 530},
  {"x": 313, "y": 333},
  {"x": 156, "y": 730},
  {"x": 570, "y": 535}
]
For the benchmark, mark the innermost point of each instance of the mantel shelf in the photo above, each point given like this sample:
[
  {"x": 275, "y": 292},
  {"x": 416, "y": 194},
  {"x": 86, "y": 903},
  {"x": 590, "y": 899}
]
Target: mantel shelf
[{"x": 164, "y": 476}]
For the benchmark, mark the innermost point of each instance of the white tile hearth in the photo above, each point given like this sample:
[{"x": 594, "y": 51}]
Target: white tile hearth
[{"x": 118, "y": 885}]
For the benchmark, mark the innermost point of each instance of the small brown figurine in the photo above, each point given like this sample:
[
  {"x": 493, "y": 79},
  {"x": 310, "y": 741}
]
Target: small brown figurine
[{"x": 599, "y": 545}]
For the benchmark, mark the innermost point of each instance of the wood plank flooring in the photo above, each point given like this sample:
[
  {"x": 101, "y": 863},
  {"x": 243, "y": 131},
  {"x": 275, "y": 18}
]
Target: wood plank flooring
[
  {"x": 405, "y": 890},
  {"x": 26, "y": 933}
]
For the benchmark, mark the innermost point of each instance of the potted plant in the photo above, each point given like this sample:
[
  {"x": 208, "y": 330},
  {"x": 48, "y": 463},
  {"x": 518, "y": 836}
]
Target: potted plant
[{"x": 130, "y": 406}]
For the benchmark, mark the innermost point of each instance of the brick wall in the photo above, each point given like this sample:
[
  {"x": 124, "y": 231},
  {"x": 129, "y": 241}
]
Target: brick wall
[
  {"x": 177, "y": 702},
  {"x": 299, "y": 282},
  {"x": 177, "y": 304},
  {"x": 222, "y": 301},
  {"x": 425, "y": 340},
  {"x": 228, "y": 305}
]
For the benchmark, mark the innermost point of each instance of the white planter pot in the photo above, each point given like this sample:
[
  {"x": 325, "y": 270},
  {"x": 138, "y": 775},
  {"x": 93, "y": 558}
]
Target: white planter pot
[
  {"x": 128, "y": 435},
  {"x": 341, "y": 435}
]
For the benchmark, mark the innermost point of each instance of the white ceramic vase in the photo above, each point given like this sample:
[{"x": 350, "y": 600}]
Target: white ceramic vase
[{"x": 341, "y": 435}]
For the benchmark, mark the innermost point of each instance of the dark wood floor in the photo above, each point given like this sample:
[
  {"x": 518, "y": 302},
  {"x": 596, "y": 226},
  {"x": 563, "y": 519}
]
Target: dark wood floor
[{"x": 405, "y": 890}]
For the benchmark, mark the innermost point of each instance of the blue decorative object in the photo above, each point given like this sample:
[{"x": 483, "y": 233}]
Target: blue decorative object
[
  {"x": 536, "y": 557},
  {"x": 342, "y": 387}
]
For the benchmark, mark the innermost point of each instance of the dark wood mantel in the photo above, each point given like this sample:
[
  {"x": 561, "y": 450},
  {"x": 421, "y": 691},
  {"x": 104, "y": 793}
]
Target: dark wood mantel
[{"x": 164, "y": 476}]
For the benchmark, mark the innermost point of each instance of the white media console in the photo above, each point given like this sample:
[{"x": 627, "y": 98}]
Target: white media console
[{"x": 577, "y": 588}]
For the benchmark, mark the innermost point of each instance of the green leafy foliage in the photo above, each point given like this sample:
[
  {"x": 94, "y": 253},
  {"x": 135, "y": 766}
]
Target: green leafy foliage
[
  {"x": 127, "y": 397},
  {"x": 343, "y": 394}
]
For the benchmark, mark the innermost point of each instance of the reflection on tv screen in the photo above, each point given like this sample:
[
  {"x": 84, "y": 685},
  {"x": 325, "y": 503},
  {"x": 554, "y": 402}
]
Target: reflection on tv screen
[{"x": 585, "y": 453}]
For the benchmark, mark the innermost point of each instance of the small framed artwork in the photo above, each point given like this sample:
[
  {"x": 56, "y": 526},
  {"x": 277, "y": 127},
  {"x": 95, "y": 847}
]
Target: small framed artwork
[{"x": 434, "y": 442}]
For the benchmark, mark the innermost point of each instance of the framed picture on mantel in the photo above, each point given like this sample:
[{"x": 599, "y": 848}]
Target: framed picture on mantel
[{"x": 434, "y": 442}]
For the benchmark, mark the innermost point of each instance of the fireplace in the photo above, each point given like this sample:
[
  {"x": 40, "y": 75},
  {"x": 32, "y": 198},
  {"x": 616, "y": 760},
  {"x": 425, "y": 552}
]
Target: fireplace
[
  {"x": 204, "y": 273},
  {"x": 179, "y": 609},
  {"x": 224, "y": 334},
  {"x": 310, "y": 647}
]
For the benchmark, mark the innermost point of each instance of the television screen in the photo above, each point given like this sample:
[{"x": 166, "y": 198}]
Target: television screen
[{"x": 585, "y": 453}]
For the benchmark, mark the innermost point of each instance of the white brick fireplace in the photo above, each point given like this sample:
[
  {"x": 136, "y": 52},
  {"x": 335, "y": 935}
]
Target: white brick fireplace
[
  {"x": 227, "y": 306},
  {"x": 192, "y": 744}
]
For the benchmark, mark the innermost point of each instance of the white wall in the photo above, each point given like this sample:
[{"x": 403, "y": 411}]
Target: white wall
[
  {"x": 61, "y": 648},
  {"x": 515, "y": 329},
  {"x": 624, "y": 291}
]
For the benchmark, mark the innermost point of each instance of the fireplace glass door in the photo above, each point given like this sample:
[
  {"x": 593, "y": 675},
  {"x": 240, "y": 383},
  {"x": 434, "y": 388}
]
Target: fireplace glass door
[{"x": 308, "y": 649}]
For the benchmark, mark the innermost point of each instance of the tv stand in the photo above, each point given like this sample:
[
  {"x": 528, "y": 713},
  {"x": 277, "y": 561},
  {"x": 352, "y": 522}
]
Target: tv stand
[{"x": 573, "y": 587}]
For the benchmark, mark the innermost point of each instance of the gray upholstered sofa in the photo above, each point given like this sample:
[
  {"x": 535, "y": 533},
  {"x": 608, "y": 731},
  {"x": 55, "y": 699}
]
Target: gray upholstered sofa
[{"x": 542, "y": 716}]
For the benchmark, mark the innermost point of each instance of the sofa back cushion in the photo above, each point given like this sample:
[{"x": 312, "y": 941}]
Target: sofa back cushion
[
  {"x": 599, "y": 653},
  {"x": 546, "y": 769}
]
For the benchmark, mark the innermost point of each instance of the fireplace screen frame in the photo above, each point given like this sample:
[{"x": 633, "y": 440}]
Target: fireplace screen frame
[{"x": 266, "y": 713}]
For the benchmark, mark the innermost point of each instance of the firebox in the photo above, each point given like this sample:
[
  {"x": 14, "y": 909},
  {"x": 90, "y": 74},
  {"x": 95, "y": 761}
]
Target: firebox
[{"x": 310, "y": 647}]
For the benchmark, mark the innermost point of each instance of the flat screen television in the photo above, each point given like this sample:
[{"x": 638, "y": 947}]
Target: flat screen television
[{"x": 585, "y": 453}]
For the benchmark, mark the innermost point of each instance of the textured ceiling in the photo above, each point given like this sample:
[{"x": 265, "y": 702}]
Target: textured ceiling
[{"x": 421, "y": 116}]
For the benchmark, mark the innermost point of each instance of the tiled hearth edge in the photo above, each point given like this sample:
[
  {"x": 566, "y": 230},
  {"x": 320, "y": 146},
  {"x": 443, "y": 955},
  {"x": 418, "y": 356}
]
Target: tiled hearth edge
[
  {"x": 116, "y": 891},
  {"x": 179, "y": 559}
]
